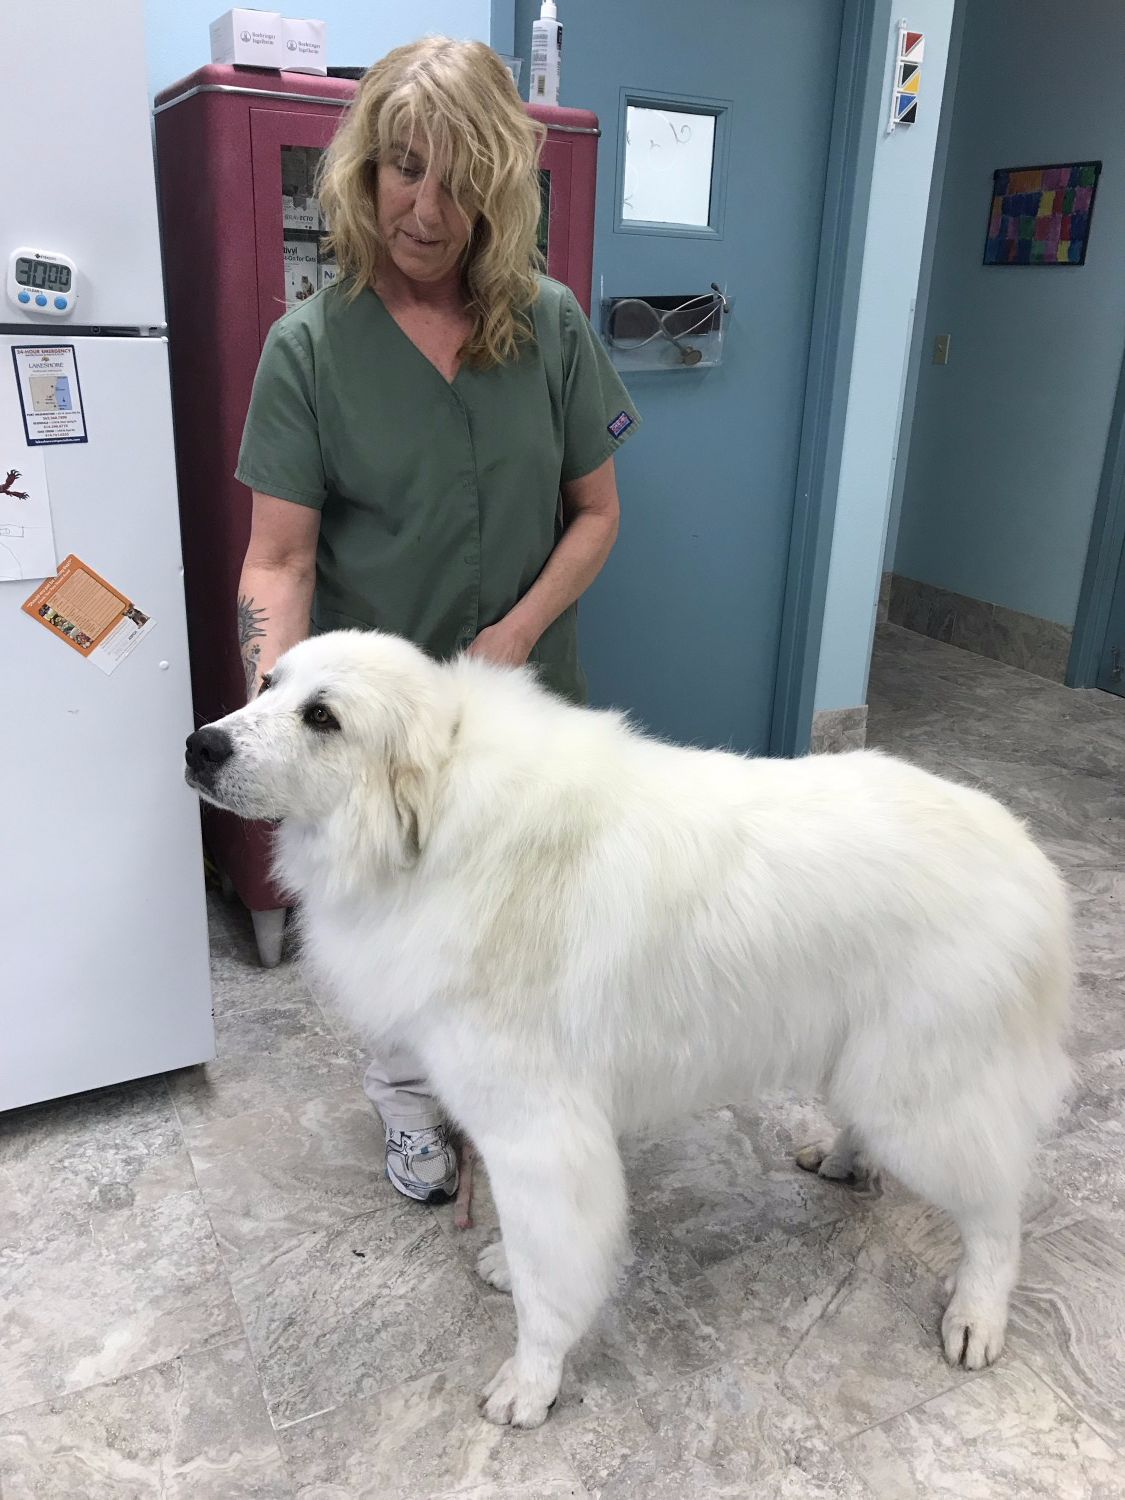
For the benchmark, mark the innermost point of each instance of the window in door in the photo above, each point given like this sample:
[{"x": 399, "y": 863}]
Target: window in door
[{"x": 670, "y": 172}]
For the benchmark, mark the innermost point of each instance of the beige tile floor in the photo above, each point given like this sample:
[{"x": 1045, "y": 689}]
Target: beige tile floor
[{"x": 207, "y": 1290}]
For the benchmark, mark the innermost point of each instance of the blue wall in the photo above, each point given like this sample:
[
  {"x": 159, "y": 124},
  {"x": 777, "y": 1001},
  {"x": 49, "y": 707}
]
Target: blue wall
[
  {"x": 359, "y": 31},
  {"x": 900, "y": 189},
  {"x": 1008, "y": 438}
]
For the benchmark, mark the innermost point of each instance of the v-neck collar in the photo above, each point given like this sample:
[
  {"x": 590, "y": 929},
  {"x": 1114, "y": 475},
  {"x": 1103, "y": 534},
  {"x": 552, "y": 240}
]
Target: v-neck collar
[{"x": 385, "y": 312}]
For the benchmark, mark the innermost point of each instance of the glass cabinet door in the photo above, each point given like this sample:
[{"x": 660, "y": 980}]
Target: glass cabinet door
[
  {"x": 555, "y": 171},
  {"x": 308, "y": 266},
  {"x": 287, "y": 149}
]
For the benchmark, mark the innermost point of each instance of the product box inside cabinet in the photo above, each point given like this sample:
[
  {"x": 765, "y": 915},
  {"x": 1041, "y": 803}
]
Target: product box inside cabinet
[
  {"x": 300, "y": 270},
  {"x": 299, "y": 213}
]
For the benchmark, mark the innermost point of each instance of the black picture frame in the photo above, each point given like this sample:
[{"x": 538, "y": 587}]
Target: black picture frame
[{"x": 998, "y": 236}]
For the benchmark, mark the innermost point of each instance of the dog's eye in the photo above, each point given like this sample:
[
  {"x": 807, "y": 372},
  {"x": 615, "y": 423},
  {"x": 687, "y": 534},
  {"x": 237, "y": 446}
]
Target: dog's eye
[
  {"x": 267, "y": 682},
  {"x": 316, "y": 716}
]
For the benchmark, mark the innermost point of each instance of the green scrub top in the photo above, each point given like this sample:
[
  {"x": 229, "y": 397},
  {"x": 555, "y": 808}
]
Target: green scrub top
[{"x": 439, "y": 500}]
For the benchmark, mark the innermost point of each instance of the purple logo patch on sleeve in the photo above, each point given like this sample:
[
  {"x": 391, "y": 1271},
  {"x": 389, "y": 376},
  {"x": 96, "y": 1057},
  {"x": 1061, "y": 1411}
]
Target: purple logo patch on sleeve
[{"x": 621, "y": 423}]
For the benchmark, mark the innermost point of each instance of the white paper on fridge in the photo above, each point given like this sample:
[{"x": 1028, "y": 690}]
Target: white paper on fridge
[
  {"x": 50, "y": 395},
  {"x": 27, "y": 542},
  {"x": 306, "y": 50},
  {"x": 248, "y": 39}
]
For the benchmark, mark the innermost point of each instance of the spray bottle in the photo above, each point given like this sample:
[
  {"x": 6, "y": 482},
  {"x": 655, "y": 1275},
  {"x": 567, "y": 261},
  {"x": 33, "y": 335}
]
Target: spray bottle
[{"x": 546, "y": 56}]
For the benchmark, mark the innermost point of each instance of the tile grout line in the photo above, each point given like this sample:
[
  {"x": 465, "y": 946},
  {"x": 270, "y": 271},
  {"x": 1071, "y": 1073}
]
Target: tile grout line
[
  {"x": 245, "y": 1336},
  {"x": 1113, "y": 1445},
  {"x": 957, "y": 1385},
  {"x": 291, "y": 1101},
  {"x": 111, "y": 1380},
  {"x": 472, "y": 1280},
  {"x": 336, "y": 1226},
  {"x": 780, "y": 1375},
  {"x": 460, "y": 1269},
  {"x": 728, "y": 1357}
]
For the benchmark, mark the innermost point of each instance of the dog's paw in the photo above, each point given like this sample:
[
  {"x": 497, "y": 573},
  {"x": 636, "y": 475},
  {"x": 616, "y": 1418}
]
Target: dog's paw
[
  {"x": 492, "y": 1266},
  {"x": 837, "y": 1163},
  {"x": 809, "y": 1158},
  {"x": 973, "y": 1336},
  {"x": 512, "y": 1401}
]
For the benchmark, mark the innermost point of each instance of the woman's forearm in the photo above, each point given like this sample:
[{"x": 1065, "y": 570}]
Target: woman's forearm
[
  {"x": 578, "y": 558},
  {"x": 274, "y": 603}
]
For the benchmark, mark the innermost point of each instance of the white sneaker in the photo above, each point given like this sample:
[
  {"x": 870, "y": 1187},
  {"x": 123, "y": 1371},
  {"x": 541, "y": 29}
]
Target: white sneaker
[{"x": 422, "y": 1164}]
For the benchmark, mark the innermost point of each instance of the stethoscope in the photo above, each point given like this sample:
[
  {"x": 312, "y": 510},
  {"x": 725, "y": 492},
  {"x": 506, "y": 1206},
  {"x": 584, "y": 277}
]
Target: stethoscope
[{"x": 689, "y": 354}]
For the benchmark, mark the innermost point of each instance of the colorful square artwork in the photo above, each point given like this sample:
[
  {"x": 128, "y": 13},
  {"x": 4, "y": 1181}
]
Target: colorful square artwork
[
  {"x": 907, "y": 78},
  {"x": 1040, "y": 216}
]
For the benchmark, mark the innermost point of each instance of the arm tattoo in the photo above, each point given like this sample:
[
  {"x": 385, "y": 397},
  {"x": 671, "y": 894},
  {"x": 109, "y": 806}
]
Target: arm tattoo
[{"x": 252, "y": 621}]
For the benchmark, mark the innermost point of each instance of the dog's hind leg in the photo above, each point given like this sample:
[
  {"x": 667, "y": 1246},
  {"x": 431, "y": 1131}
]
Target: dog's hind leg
[
  {"x": 561, "y": 1198},
  {"x": 966, "y": 1159}
]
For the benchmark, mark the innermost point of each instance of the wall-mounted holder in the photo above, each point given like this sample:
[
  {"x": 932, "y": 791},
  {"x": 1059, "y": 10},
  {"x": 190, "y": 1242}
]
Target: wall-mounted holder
[
  {"x": 665, "y": 333},
  {"x": 907, "y": 77}
]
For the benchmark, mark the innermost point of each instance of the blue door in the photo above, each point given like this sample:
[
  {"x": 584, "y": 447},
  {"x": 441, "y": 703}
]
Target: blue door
[{"x": 683, "y": 626}]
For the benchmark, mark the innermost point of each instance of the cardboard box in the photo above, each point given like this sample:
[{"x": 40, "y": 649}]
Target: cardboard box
[
  {"x": 248, "y": 39},
  {"x": 306, "y": 47},
  {"x": 300, "y": 270}
]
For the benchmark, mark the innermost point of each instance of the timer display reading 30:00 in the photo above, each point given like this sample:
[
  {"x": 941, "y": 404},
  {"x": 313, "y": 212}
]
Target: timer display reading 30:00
[{"x": 45, "y": 275}]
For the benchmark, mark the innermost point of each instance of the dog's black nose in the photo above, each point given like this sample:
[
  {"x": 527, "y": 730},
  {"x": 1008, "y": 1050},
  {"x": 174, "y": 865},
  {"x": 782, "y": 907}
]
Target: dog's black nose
[{"x": 206, "y": 750}]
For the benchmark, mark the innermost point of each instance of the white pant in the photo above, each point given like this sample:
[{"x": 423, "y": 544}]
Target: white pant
[{"x": 395, "y": 1085}]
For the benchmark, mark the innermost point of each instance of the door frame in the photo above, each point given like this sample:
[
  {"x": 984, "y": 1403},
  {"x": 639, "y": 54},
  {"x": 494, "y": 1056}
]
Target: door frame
[
  {"x": 1107, "y": 540},
  {"x": 857, "y": 116}
]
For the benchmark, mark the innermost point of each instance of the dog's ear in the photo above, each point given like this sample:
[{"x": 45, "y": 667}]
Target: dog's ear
[
  {"x": 398, "y": 811},
  {"x": 408, "y": 782},
  {"x": 412, "y": 791}
]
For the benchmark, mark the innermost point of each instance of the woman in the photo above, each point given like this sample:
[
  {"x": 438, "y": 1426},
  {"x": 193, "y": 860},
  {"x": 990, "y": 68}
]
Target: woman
[{"x": 430, "y": 441}]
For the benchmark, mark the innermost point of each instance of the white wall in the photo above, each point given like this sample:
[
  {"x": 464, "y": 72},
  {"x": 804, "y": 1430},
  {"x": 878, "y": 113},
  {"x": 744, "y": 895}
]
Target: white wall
[
  {"x": 359, "y": 31},
  {"x": 896, "y": 221}
]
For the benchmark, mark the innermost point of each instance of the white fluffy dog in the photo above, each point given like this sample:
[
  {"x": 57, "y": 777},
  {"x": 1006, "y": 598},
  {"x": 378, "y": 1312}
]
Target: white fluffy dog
[{"x": 579, "y": 929}]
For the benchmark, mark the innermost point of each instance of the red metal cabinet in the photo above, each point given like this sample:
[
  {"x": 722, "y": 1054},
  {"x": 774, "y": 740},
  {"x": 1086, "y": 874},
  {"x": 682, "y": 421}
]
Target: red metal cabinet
[{"x": 220, "y": 138}]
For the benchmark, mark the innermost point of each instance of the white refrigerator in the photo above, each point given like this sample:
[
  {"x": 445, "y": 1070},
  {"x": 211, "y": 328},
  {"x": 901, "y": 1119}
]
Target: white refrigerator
[{"x": 103, "y": 938}]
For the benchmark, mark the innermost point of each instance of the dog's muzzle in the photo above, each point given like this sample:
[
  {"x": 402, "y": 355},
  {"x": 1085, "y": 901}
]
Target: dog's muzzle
[{"x": 206, "y": 751}]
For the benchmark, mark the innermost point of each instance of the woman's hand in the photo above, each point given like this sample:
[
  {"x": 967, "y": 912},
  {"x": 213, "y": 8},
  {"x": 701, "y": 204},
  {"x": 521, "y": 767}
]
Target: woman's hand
[{"x": 506, "y": 643}]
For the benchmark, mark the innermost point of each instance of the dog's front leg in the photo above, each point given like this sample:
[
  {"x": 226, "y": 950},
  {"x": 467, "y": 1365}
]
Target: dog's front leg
[{"x": 560, "y": 1192}]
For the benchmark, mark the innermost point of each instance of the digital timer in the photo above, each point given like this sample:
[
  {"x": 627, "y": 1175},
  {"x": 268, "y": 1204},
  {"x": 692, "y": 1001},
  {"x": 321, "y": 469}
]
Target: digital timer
[{"x": 42, "y": 283}]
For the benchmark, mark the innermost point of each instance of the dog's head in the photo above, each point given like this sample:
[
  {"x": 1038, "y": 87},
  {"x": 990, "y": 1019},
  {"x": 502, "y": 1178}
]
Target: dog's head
[{"x": 349, "y": 721}]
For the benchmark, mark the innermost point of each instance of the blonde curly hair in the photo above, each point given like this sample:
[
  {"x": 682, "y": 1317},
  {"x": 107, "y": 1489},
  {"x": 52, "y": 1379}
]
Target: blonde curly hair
[{"x": 458, "y": 98}]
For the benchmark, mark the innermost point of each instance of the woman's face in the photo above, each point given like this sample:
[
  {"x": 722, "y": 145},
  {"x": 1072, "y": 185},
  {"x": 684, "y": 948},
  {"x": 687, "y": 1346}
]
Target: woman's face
[{"x": 424, "y": 233}]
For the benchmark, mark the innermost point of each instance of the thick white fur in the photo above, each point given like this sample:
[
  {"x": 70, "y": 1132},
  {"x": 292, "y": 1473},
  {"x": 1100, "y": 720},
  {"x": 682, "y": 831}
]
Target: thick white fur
[{"x": 579, "y": 929}]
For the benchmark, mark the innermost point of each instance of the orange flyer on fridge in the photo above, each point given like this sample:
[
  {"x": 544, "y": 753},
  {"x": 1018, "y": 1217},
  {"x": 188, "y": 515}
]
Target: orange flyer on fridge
[{"x": 89, "y": 614}]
